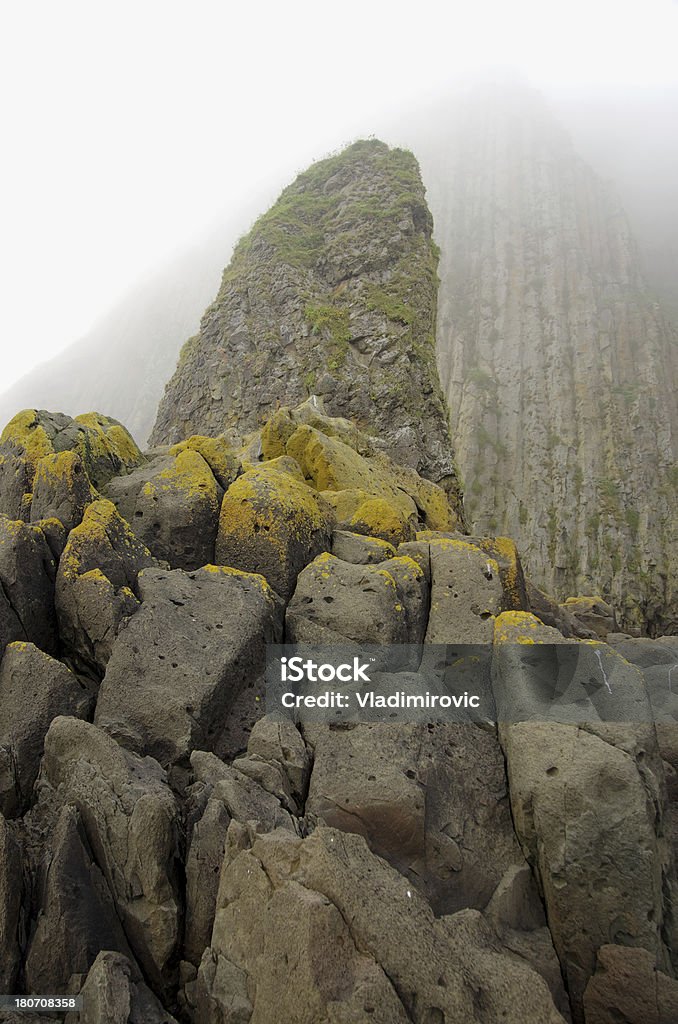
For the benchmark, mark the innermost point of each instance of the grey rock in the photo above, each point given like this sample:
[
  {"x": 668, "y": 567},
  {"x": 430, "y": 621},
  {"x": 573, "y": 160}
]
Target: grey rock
[
  {"x": 131, "y": 819},
  {"x": 352, "y": 547},
  {"x": 172, "y": 503},
  {"x": 114, "y": 993},
  {"x": 183, "y": 658},
  {"x": 27, "y": 574},
  {"x": 96, "y": 585},
  {"x": 76, "y": 917},
  {"x": 368, "y": 604},
  {"x": 34, "y": 689},
  {"x": 61, "y": 489}
]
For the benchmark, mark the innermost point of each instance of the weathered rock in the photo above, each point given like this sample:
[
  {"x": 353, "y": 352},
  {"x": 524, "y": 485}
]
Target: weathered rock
[
  {"x": 369, "y": 604},
  {"x": 276, "y": 740},
  {"x": 203, "y": 864},
  {"x": 273, "y": 524},
  {"x": 589, "y": 817},
  {"x": 97, "y": 583},
  {"x": 61, "y": 489},
  {"x": 431, "y": 801},
  {"x": 131, "y": 820},
  {"x": 627, "y": 988},
  {"x": 172, "y": 504},
  {"x": 103, "y": 444},
  {"x": 218, "y": 455},
  {"x": 11, "y": 891},
  {"x": 27, "y": 574},
  {"x": 322, "y": 297},
  {"x": 351, "y": 547},
  {"x": 348, "y": 924},
  {"x": 594, "y": 614},
  {"x": 34, "y": 689},
  {"x": 376, "y": 517},
  {"x": 466, "y": 593},
  {"x": 184, "y": 657},
  {"x": 114, "y": 993},
  {"x": 76, "y": 917}
]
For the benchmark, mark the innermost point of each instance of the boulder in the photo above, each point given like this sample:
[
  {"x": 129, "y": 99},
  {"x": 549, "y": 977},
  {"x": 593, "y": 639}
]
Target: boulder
[
  {"x": 176, "y": 669},
  {"x": 310, "y": 929},
  {"x": 368, "y": 604},
  {"x": 104, "y": 446},
  {"x": 114, "y": 992},
  {"x": 131, "y": 819},
  {"x": 274, "y": 524},
  {"x": 76, "y": 916},
  {"x": 61, "y": 489},
  {"x": 218, "y": 455},
  {"x": 27, "y": 575},
  {"x": 433, "y": 801},
  {"x": 592, "y": 614},
  {"x": 34, "y": 689},
  {"x": 172, "y": 504},
  {"x": 96, "y": 585}
]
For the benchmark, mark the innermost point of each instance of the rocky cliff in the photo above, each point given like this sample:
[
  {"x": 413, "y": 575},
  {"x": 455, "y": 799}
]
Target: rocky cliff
[
  {"x": 558, "y": 365},
  {"x": 332, "y": 293},
  {"x": 174, "y": 849}
]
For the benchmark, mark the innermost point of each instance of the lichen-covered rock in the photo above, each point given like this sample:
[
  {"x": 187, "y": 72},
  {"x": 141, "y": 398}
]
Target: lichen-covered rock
[
  {"x": 34, "y": 689},
  {"x": 183, "y": 658},
  {"x": 218, "y": 455},
  {"x": 466, "y": 590},
  {"x": 11, "y": 892},
  {"x": 27, "y": 575},
  {"x": 76, "y": 917},
  {"x": 273, "y": 524},
  {"x": 377, "y": 517},
  {"x": 594, "y": 614},
  {"x": 131, "y": 819},
  {"x": 114, "y": 992},
  {"x": 96, "y": 584},
  {"x": 103, "y": 444},
  {"x": 325, "y": 298},
  {"x": 353, "y": 924},
  {"x": 370, "y": 604},
  {"x": 172, "y": 504},
  {"x": 61, "y": 489}
]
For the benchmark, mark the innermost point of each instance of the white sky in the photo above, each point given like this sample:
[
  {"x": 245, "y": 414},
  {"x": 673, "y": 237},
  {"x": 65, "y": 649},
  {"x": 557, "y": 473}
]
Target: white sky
[{"x": 129, "y": 128}]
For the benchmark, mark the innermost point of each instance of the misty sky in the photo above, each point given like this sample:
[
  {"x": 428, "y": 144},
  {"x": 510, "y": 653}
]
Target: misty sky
[{"x": 131, "y": 128}]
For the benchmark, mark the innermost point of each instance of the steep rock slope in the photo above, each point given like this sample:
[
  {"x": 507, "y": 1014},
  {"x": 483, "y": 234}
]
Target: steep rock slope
[
  {"x": 333, "y": 293},
  {"x": 558, "y": 365}
]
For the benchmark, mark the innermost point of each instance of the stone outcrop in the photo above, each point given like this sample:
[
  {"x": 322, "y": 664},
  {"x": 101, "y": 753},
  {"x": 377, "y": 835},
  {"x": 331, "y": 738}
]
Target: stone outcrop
[
  {"x": 557, "y": 362},
  {"x": 332, "y": 293}
]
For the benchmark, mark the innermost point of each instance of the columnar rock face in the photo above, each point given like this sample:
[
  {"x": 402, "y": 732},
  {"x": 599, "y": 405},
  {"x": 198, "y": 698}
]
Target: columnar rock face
[
  {"x": 557, "y": 363},
  {"x": 333, "y": 293}
]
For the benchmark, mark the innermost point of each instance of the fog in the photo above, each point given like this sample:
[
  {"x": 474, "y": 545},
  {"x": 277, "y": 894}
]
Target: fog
[{"x": 133, "y": 130}]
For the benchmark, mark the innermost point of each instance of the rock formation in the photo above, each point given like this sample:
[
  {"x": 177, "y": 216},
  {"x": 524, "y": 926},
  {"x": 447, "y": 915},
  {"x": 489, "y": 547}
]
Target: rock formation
[
  {"x": 559, "y": 367},
  {"x": 176, "y": 851},
  {"x": 333, "y": 293}
]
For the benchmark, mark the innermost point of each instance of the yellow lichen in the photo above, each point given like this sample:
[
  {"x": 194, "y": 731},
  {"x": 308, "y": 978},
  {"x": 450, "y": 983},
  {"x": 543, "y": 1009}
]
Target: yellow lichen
[
  {"x": 26, "y": 434},
  {"x": 377, "y": 517},
  {"x": 216, "y": 452}
]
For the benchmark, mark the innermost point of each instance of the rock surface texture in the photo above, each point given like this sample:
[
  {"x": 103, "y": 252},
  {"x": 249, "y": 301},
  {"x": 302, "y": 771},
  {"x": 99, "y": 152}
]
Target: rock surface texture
[
  {"x": 333, "y": 292},
  {"x": 558, "y": 365}
]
